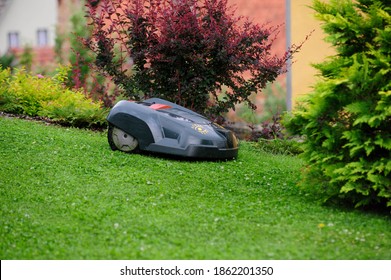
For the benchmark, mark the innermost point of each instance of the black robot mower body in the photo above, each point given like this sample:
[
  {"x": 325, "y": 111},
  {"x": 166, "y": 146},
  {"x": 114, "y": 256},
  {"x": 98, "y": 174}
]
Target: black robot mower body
[{"x": 159, "y": 126}]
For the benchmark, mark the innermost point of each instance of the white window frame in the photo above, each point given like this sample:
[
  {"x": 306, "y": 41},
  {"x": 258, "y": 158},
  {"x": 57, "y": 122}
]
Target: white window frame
[
  {"x": 13, "y": 40},
  {"x": 42, "y": 37}
]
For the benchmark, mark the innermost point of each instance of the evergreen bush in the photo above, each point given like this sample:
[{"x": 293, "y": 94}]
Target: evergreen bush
[{"x": 346, "y": 120}]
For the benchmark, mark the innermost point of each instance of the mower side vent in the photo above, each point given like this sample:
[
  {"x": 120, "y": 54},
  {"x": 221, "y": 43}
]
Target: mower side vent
[{"x": 170, "y": 134}]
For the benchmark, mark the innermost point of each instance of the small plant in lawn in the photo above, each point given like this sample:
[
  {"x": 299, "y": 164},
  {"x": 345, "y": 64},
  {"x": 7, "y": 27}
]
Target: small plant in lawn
[
  {"x": 279, "y": 146},
  {"x": 272, "y": 138},
  {"x": 274, "y": 103}
]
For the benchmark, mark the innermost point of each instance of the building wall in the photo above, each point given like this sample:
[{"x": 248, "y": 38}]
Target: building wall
[
  {"x": 270, "y": 14},
  {"x": 314, "y": 50},
  {"x": 302, "y": 75},
  {"x": 26, "y": 18}
]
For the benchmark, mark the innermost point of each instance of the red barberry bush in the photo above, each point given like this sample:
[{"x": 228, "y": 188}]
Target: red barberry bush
[{"x": 195, "y": 53}]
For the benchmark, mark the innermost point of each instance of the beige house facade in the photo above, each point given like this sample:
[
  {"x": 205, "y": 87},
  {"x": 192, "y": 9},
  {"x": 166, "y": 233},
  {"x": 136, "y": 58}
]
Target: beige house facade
[{"x": 314, "y": 50}]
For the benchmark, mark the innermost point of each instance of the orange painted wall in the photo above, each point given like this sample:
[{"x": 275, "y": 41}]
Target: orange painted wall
[
  {"x": 303, "y": 22},
  {"x": 265, "y": 12},
  {"x": 271, "y": 13},
  {"x": 315, "y": 50}
]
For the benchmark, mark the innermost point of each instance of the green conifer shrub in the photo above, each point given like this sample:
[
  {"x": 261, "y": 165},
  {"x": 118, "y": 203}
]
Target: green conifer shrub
[{"x": 346, "y": 119}]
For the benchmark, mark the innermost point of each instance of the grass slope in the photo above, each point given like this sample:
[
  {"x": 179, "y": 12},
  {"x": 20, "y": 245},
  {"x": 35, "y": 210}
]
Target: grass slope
[{"x": 65, "y": 195}]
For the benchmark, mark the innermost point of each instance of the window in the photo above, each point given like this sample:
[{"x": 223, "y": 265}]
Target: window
[
  {"x": 13, "y": 40},
  {"x": 42, "y": 38}
]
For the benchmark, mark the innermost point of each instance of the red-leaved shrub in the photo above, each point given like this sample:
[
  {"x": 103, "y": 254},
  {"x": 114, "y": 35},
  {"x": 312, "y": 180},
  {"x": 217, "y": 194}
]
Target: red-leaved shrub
[{"x": 195, "y": 53}]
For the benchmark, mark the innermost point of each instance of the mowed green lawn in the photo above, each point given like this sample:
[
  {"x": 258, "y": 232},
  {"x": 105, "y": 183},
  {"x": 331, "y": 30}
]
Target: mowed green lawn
[{"x": 65, "y": 195}]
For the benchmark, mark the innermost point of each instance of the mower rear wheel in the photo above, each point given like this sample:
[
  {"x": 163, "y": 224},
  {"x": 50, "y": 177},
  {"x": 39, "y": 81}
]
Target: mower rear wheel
[{"x": 121, "y": 140}]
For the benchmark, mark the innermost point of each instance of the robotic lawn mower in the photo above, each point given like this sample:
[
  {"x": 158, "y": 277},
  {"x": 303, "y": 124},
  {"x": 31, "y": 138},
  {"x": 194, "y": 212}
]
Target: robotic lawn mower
[{"x": 159, "y": 126}]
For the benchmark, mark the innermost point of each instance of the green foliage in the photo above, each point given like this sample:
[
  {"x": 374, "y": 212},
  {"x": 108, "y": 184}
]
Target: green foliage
[
  {"x": 80, "y": 57},
  {"x": 81, "y": 74},
  {"x": 347, "y": 118},
  {"x": 7, "y": 60},
  {"x": 22, "y": 93},
  {"x": 26, "y": 58},
  {"x": 279, "y": 146},
  {"x": 274, "y": 104}
]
